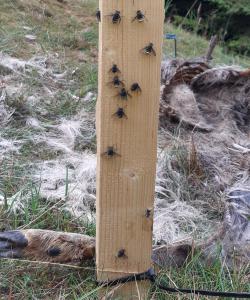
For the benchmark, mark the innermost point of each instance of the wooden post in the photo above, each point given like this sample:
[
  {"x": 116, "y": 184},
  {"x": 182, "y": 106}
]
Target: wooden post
[{"x": 127, "y": 139}]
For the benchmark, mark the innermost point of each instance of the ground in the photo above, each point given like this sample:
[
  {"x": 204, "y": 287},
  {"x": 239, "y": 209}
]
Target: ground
[{"x": 48, "y": 89}]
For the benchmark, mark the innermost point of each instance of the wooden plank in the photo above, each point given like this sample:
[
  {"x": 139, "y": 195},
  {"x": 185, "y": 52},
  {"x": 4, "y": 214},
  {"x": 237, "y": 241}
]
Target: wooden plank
[{"x": 125, "y": 182}]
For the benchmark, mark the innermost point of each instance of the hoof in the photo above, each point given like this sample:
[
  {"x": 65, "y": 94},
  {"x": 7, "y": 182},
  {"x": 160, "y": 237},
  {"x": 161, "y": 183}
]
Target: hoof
[{"x": 12, "y": 243}]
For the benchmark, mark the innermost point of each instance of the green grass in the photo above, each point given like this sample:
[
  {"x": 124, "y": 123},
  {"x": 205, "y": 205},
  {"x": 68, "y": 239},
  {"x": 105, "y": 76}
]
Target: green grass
[
  {"x": 71, "y": 35},
  {"x": 190, "y": 45},
  {"x": 196, "y": 275},
  {"x": 40, "y": 281},
  {"x": 37, "y": 281}
]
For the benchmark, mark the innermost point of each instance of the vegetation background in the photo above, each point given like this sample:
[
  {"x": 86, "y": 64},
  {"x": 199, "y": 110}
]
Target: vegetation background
[
  {"x": 66, "y": 34},
  {"x": 228, "y": 18}
]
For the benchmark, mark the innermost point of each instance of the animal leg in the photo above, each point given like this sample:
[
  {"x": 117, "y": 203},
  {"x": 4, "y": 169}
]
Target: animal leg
[{"x": 47, "y": 246}]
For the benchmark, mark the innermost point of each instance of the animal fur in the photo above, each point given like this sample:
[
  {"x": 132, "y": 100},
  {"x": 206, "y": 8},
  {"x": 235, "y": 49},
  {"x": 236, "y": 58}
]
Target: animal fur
[{"x": 45, "y": 245}]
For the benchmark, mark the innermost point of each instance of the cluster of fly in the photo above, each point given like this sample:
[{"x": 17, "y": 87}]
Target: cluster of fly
[
  {"x": 123, "y": 93},
  {"x": 118, "y": 83},
  {"x": 110, "y": 152},
  {"x": 149, "y": 49},
  {"x": 140, "y": 17},
  {"x": 116, "y": 17}
]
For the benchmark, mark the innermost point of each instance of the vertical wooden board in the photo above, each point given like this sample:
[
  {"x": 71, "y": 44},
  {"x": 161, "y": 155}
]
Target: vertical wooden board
[{"x": 125, "y": 183}]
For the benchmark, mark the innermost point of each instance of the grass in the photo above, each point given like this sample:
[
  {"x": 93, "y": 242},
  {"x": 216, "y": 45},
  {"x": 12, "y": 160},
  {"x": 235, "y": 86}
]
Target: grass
[
  {"x": 38, "y": 281},
  {"x": 190, "y": 45},
  {"x": 194, "y": 274},
  {"x": 69, "y": 31},
  {"x": 22, "y": 280},
  {"x": 34, "y": 281}
]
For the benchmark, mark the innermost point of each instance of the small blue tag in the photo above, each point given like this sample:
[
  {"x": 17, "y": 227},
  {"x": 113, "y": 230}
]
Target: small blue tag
[{"x": 170, "y": 36}]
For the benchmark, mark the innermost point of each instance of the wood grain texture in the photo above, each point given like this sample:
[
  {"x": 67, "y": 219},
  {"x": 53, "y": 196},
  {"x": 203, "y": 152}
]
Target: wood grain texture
[{"x": 125, "y": 183}]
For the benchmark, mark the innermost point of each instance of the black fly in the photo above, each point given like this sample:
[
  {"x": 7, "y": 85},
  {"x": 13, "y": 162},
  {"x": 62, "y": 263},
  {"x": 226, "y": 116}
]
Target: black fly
[
  {"x": 116, "y": 82},
  {"x": 124, "y": 94},
  {"x": 120, "y": 113},
  {"x": 54, "y": 251},
  {"x": 135, "y": 87},
  {"x": 149, "y": 49},
  {"x": 121, "y": 253},
  {"x": 110, "y": 152},
  {"x": 140, "y": 16},
  {"x": 148, "y": 213},
  {"x": 98, "y": 15},
  {"x": 116, "y": 17},
  {"x": 114, "y": 69}
]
